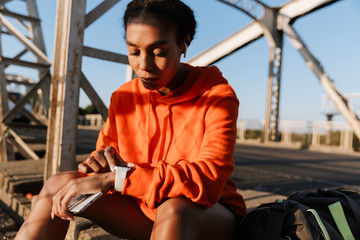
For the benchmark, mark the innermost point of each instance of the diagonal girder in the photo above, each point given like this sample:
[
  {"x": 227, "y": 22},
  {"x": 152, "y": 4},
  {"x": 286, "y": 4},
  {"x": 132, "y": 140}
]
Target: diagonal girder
[
  {"x": 252, "y": 8},
  {"x": 300, "y": 8},
  {"x": 229, "y": 45},
  {"x": 338, "y": 99},
  {"x": 98, "y": 11},
  {"x": 253, "y": 31},
  {"x": 28, "y": 44},
  {"x": 265, "y": 24}
]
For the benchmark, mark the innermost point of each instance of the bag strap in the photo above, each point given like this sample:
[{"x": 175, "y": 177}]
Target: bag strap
[
  {"x": 318, "y": 223},
  {"x": 353, "y": 205},
  {"x": 338, "y": 215}
]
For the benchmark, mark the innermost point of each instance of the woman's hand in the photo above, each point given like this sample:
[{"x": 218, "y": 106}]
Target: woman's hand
[
  {"x": 102, "y": 161},
  {"x": 84, "y": 185}
]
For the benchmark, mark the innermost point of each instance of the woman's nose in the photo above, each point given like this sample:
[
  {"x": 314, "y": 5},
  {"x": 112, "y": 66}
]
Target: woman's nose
[{"x": 146, "y": 62}]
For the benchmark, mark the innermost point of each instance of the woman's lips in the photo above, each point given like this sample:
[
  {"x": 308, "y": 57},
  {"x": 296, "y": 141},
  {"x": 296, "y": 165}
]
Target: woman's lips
[{"x": 148, "y": 80}]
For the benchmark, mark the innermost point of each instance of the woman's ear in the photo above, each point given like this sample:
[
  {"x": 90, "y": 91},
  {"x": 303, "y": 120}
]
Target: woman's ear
[{"x": 187, "y": 42}]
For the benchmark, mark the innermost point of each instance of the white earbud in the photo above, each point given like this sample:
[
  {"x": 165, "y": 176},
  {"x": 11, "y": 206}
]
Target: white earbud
[{"x": 185, "y": 50}]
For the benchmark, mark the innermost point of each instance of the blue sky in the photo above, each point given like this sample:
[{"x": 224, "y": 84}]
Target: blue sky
[{"x": 332, "y": 34}]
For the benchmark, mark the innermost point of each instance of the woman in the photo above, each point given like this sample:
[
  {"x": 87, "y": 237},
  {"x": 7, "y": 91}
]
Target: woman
[{"x": 174, "y": 125}]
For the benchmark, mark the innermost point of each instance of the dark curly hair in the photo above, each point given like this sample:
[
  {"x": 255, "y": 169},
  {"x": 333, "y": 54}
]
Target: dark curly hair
[{"x": 172, "y": 12}]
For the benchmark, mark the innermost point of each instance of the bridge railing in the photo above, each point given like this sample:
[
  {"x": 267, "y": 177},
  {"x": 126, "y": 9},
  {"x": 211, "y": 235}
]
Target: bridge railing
[
  {"x": 298, "y": 133},
  {"x": 316, "y": 134}
]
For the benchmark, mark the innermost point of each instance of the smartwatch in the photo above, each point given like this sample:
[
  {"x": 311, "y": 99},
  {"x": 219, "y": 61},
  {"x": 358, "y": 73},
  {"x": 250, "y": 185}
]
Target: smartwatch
[{"x": 120, "y": 177}]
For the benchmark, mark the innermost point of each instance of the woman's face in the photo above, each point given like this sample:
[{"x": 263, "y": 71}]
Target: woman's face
[{"x": 153, "y": 53}]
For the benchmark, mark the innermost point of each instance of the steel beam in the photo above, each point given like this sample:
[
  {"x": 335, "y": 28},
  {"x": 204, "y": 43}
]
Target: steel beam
[
  {"x": 94, "y": 97},
  {"x": 21, "y": 145},
  {"x": 274, "y": 37},
  {"x": 98, "y": 11},
  {"x": 67, "y": 79},
  {"x": 10, "y": 115},
  {"x": 299, "y": 8},
  {"x": 64, "y": 101},
  {"x": 4, "y": 107},
  {"x": 229, "y": 45},
  {"x": 29, "y": 45},
  {"x": 338, "y": 99},
  {"x": 104, "y": 55}
]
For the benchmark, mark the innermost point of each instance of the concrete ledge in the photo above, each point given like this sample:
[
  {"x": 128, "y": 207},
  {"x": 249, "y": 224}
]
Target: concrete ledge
[
  {"x": 254, "y": 198},
  {"x": 269, "y": 144},
  {"x": 96, "y": 233},
  {"x": 7, "y": 224},
  {"x": 333, "y": 149},
  {"x": 83, "y": 229}
]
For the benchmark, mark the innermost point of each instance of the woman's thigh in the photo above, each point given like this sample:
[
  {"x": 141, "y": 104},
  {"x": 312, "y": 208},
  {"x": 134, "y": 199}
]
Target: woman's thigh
[
  {"x": 119, "y": 215},
  {"x": 179, "y": 218}
]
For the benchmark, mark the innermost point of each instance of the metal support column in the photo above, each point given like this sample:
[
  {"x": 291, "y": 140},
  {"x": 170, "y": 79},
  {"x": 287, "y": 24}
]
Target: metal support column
[
  {"x": 274, "y": 37},
  {"x": 65, "y": 86},
  {"x": 273, "y": 95},
  {"x": 68, "y": 78},
  {"x": 3, "y": 108}
]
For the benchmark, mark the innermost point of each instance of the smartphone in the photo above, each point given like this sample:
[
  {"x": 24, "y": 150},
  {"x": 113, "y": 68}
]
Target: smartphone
[{"x": 82, "y": 201}]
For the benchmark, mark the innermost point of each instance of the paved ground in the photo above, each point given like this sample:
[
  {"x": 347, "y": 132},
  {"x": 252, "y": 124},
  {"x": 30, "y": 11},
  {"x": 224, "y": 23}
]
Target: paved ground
[{"x": 285, "y": 171}]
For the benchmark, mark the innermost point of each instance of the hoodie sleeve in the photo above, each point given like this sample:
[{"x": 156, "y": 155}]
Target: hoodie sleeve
[
  {"x": 107, "y": 136},
  {"x": 203, "y": 179}
]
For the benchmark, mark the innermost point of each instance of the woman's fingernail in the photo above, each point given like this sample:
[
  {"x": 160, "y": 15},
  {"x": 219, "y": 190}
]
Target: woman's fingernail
[{"x": 131, "y": 165}]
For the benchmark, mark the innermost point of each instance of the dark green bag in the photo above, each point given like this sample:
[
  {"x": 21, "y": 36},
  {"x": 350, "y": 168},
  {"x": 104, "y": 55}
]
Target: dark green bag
[{"x": 325, "y": 214}]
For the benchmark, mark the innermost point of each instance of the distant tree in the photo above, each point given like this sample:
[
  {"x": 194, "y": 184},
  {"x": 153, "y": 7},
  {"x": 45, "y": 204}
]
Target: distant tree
[
  {"x": 90, "y": 109},
  {"x": 82, "y": 111}
]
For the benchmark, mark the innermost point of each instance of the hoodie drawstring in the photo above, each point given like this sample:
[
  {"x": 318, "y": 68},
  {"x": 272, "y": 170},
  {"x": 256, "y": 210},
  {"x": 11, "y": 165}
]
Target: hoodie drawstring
[{"x": 166, "y": 135}]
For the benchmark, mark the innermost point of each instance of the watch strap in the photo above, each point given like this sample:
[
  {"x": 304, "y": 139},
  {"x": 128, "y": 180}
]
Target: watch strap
[{"x": 120, "y": 177}]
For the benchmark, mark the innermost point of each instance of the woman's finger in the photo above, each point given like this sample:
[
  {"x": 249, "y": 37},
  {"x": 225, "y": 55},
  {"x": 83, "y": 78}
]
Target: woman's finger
[
  {"x": 60, "y": 203},
  {"x": 93, "y": 162},
  {"x": 84, "y": 168},
  {"x": 110, "y": 154}
]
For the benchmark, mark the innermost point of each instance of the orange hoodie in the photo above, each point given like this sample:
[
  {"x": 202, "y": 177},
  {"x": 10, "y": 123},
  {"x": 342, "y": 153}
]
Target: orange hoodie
[{"x": 182, "y": 143}]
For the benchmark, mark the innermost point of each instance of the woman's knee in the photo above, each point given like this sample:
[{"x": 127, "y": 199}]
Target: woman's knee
[
  {"x": 176, "y": 208},
  {"x": 195, "y": 222},
  {"x": 59, "y": 180}
]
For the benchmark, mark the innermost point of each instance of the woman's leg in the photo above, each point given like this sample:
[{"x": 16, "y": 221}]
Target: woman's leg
[
  {"x": 39, "y": 225},
  {"x": 116, "y": 213},
  {"x": 179, "y": 218},
  {"x": 119, "y": 215}
]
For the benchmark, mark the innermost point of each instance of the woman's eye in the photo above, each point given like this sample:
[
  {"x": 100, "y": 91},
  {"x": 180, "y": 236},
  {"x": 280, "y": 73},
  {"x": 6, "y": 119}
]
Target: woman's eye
[
  {"x": 159, "y": 53},
  {"x": 134, "y": 53}
]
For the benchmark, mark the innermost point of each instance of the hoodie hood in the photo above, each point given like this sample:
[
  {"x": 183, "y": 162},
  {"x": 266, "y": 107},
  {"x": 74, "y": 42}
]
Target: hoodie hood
[
  {"x": 206, "y": 77},
  {"x": 198, "y": 81}
]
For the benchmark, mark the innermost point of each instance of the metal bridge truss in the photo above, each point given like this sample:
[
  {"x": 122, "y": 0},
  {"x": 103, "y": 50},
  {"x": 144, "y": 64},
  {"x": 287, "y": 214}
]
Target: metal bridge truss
[
  {"x": 68, "y": 78},
  {"x": 273, "y": 23},
  {"x": 29, "y": 35}
]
